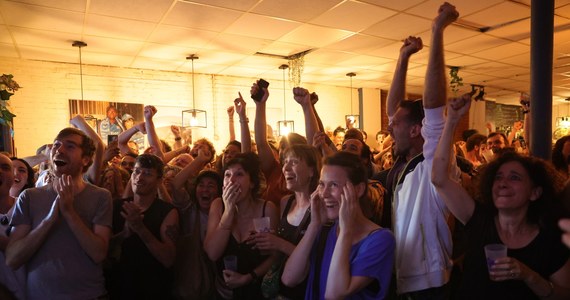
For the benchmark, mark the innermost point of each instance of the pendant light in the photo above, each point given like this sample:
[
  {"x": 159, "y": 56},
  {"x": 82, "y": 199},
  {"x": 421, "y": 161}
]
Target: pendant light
[
  {"x": 79, "y": 45},
  {"x": 285, "y": 126},
  {"x": 352, "y": 119},
  {"x": 194, "y": 118}
]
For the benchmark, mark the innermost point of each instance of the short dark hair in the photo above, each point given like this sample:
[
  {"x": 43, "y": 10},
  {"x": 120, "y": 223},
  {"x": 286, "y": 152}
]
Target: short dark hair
[
  {"x": 384, "y": 132},
  {"x": 151, "y": 161},
  {"x": 415, "y": 110},
  {"x": 353, "y": 166},
  {"x": 353, "y": 133},
  {"x": 87, "y": 145},
  {"x": 208, "y": 174},
  {"x": 493, "y": 134},
  {"x": 249, "y": 161},
  {"x": 30, "y": 181},
  {"x": 131, "y": 155},
  {"x": 209, "y": 145},
  {"x": 234, "y": 143},
  {"x": 338, "y": 130},
  {"x": 560, "y": 162},
  {"x": 467, "y": 133},
  {"x": 474, "y": 140}
]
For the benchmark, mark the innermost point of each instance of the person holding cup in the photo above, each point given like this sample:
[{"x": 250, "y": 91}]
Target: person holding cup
[
  {"x": 343, "y": 254},
  {"x": 230, "y": 225},
  {"x": 517, "y": 194}
]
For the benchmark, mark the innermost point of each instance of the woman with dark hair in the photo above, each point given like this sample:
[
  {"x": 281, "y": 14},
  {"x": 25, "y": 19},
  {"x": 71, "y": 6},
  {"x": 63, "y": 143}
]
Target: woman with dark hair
[
  {"x": 301, "y": 169},
  {"x": 561, "y": 155},
  {"x": 516, "y": 194},
  {"x": 230, "y": 224},
  {"x": 352, "y": 258},
  {"x": 24, "y": 176}
]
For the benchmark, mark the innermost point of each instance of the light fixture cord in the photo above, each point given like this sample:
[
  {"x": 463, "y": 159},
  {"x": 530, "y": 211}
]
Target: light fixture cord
[
  {"x": 81, "y": 72},
  {"x": 284, "y": 104},
  {"x": 193, "y": 95},
  {"x": 351, "y": 96}
]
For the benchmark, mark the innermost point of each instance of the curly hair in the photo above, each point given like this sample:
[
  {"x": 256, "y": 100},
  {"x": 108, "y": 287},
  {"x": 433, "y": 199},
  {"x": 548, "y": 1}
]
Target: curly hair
[
  {"x": 541, "y": 174},
  {"x": 249, "y": 161},
  {"x": 560, "y": 162}
]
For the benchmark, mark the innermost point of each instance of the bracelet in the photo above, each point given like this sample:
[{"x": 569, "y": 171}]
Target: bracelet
[
  {"x": 244, "y": 121},
  {"x": 177, "y": 139},
  {"x": 254, "y": 276}
]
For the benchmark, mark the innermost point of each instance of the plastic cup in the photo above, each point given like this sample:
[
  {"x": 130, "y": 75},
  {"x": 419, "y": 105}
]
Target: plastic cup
[
  {"x": 494, "y": 252},
  {"x": 230, "y": 263},
  {"x": 262, "y": 224}
]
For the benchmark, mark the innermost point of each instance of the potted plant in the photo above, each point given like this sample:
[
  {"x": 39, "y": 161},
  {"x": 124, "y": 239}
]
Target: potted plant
[{"x": 7, "y": 88}]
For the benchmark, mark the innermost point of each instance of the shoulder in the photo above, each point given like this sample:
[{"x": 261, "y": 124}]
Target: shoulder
[{"x": 380, "y": 238}]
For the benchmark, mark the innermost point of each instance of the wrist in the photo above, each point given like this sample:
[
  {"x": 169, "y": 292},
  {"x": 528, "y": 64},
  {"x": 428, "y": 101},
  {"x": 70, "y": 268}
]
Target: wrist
[
  {"x": 244, "y": 120},
  {"x": 177, "y": 138},
  {"x": 254, "y": 276}
]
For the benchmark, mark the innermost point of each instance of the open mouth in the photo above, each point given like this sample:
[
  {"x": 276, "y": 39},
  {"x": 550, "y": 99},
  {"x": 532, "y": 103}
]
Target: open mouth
[
  {"x": 16, "y": 180},
  {"x": 59, "y": 163}
]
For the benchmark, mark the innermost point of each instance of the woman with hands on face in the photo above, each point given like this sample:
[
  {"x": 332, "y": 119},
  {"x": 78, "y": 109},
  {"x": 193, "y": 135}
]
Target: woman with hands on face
[
  {"x": 230, "y": 225},
  {"x": 352, "y": 258},
  {"x": 516, "y": 194}
]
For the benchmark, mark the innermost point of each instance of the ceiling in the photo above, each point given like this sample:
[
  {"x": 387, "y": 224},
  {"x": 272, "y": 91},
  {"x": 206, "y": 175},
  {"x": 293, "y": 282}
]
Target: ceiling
[{"x": 343, "y": 36}]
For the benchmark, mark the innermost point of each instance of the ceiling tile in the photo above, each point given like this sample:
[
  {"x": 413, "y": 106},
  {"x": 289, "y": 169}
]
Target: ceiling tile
[
  {"x": 49, "y": 54},
  {"x": 327, "y": 57},
  {"x": 118, "y": 28},
  {"x": 201, "y": 67},
  {"x": 112, "y": 46},
  {"x": 476, "y": 44},
  {"x": 105, "y": 59},
  {"x": 284, "y": 49},
  {"x": 237, "y": 43},
  {"x": 246, "y": 72},
  {"x": 563, "y": 10},
  {"x": 243, "y": 5},
  {"x": 464, "y": 61},
  {"x": 220, "y": 58},
  {"x": 155, "y": 64},
  {"x": 499, "y": 14},
  {"x": 42, "y": 38},
  {"x": 353, "y": 16},
  {"x": 5, "y": 36},
  {"x": 393, "y": 28},
  {"x": 359, "y": 43},
  {"x": 399, "y": 5},
  {"x": 8, "y": 50},
  {"x": 73, "y": 5},
  {"x": 166, "y": 52},
  {"x": 263, "y": 62},
  {"x": 296, "y": 10},
  {"x": 200, "y": 16},
  {"x": 29, "y": 16},
  {"x": 261, "y": 26},
  {"x": 501, "y": 52},
  {"x": 465, "y": 8},
  {"x": 498, "y": 70},
  {"x": 315, "y": 36},
  {"x": 131, "y": 9},
  {"x": 182, "y": 37},
  {"x": 363, "y": 61}
]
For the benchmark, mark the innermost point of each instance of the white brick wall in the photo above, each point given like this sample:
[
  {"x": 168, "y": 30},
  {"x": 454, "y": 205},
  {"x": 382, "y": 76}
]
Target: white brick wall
[{"x": 42, "y": 105}]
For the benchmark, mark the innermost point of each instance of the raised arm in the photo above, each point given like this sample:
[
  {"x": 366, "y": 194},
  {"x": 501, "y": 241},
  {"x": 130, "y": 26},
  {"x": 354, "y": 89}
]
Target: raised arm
[
  {"x": 303, "y": 97},
  {"x": 435, "y": 87},
  {"x": 193, "y": 168},
  {"x": 154, "y": 142},
  {"x": 97, "y": 165},
  {"x": 456, "y": 198},
  {"x": 177, "y": 137},
  {"x": 125, "y": 137},
  {"x": 264, "y": 151},
  {"x": 240, "y": 105},
  {"x": 397, "y": 92},
  {"x": 232, "y": 129}
]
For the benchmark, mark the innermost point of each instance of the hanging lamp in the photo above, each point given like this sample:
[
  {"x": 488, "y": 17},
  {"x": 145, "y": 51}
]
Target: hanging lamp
[
  {"x": 194, "y": 118},
  {"x": 352, "y": 119},
  {"x": 285, "y": 126}
]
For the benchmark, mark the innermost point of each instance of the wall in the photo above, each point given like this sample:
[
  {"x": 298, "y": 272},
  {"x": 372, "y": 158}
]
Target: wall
[{"x": 42, "y": 108}]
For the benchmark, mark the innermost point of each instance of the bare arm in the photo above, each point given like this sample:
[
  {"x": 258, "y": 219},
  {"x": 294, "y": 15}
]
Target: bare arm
[
  {"x": 266, "y": 157},
  {"x": 97, "y": 165},
  {"x": 240, "y": 105},
  {"x": 219, "y": 229},
  {"x": 303, "y": 97},
  {"x": 456, "y": 198},
  {"x": 125, "y": 137},
  {"x": 154, "y": 142},
  {"x": 231, "y": 122},
  {"x": 170, "y": 155},
  {"x": 192, "y": 169},
  {"x": 435, "y": 87},
  {"x": 177, "y": 137},
  {"x": 397, "y": 92}
]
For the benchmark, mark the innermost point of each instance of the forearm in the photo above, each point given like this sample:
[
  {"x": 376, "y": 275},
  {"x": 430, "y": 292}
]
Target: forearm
[
  {"x": 95, "y": 169},
  {"x": 170, "y": 155},
  {"x": 435, "y": 88},
  {"x": 153, "y": 139},
  {"x": 165, "y": 253},
  {"x": 397, "y": 92},
  {"x": 311, "y": 124},
  {"x": 260, "y": 128},
  {"x": 339, "y": 277},
  {"x": 443, "y": 154},
  {"x": 18, "y": 252},
  {"x": 124, "y": 138},
  {"x": 297, "y": 265},
  {"x": 36, "y": 159},
  {"x": 544, "y": 288},
  {"x": 232, "y": 129},
  {"x": 245, "y": 135},
  {"x": 190, "y": 171},
  {"x": 216, "y": 242},
  {"x": 95, "y": 246}
]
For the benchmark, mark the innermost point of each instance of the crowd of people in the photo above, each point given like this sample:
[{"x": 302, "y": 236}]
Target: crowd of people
[{"x": 307, "y": 217}]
